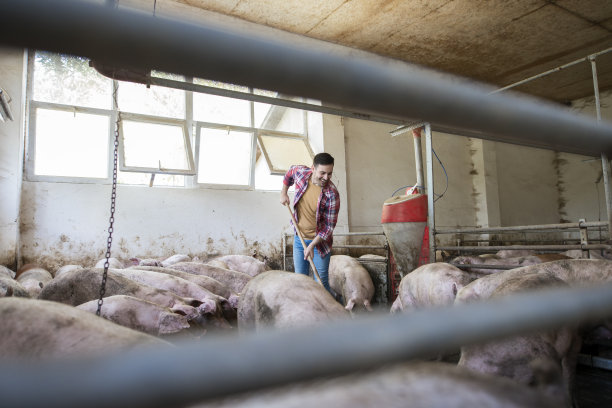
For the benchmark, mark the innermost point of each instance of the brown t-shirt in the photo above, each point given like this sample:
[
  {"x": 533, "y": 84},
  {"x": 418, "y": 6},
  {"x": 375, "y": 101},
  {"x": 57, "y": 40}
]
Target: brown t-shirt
[{"x": 307, "y": 210}]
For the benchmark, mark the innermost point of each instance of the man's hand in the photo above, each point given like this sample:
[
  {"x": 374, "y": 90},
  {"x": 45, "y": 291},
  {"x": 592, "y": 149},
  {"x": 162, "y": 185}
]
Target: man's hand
[
  {"x": 284, "y": 198},
  {"x": 309, "y": 251}
]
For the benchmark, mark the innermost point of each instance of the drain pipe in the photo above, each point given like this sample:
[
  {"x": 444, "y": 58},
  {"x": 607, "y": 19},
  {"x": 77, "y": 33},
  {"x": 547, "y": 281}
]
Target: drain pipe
[{"x": 418, "y": 159}]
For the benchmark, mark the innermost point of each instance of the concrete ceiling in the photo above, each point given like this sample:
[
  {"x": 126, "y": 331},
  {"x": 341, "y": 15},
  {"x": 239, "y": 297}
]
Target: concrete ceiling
[{"x": 494, "y": 41}]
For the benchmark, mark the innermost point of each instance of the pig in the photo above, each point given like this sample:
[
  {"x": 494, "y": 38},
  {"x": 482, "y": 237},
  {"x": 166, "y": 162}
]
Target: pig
[
  {"x": 113, "y": 263},
  {"x": 514, "y": 253},
  {"x": 279, "y": 299},
  {"x": 572, "y": 271},
  {"x": 232, "y": 279},
  {"x": 519, "y": 357},
  {"x": 414, "y": 385},
  {"x": 138, "y": 314},
  {"x": 10, "y": 287},
  {"x": 82, "y": 285},
  {"x": 38, "y": 329},
  {"x": 518, "y": 262},
  {"x": 206, "y": 282},
  {"x": 33, "y": 278},
  {"x": 183, "y": 288},
  {"x": 431, "y": 285},
  {"x": 6, "y": 272},
  {"x": 350, "y": 279},
  {"x": 593, "y": 254},
  {"x": 241, "y": 263},
  {"x": 65, "y": 269},
  {"x": 175, "y": 259}
]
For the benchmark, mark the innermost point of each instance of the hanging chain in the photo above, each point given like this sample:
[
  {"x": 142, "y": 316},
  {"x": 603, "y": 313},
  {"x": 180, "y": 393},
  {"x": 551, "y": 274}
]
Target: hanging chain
[{"x": 111, "y": 220}]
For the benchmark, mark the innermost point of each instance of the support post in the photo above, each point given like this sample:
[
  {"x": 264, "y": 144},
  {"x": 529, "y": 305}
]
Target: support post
[
  {"x": 605, "y": 162},
  {"x": 418, "y": 160},
  {"x": 431, "y": 214}
]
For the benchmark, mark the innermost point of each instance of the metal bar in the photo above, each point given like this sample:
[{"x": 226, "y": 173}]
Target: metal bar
[
  {"x": 605, "y": 162},
  {"x": 351, "y": 234},
  {"x": 594, "y": 361},
  {"x": 418, "y": 161},
  {"x": 228, "y": 93},
  {"x": 362, "y": 260},
  {"x": 361, "y": 246},
  {"x": 219, "y": 366},
  {"x": 497, "y": 230},
  {"x": 473, "y": 266},
  {"x": 431, "y": 213},
  {"x": 360, "y": 83},
  {"x": 552, "y": 71},
  {"x": 535, "y": 247}
]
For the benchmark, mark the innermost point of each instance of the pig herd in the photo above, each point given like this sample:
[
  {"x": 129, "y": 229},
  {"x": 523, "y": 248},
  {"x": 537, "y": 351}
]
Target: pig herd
[{"x": 153, "y": 302}]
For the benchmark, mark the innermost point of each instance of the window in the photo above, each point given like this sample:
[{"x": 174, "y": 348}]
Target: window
[{"x": 164, "y": 132}]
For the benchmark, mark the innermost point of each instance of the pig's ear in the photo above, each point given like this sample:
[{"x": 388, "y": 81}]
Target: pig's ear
[
  {"x": 350, "y": 304},
  {"x": 134, "y": 261},
  {"x": 454, "y": 289}
]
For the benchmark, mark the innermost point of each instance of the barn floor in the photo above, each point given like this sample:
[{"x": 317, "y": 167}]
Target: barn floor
[{"x": 593, "y": 387}]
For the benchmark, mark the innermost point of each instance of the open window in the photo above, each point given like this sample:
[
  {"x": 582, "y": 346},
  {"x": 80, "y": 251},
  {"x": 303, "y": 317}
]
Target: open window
[
  {"x": 282, "y": 151},
  {"x": 154, "y": 145}
]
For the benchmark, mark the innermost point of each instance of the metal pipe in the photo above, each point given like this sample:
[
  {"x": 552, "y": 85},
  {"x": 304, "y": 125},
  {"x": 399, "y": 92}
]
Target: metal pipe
[
  {"x": 418, "y": 161},
  {"x": 575, "y": 225},
  {"x": 372, "y": 84},
  {"x": 353, "y": 234},
  {"x": 360, "y": 246},
  {"x": 535, "y": 247},
  {"x": 471, "y": 266},
  {"x": 605, "y": 162},
  {"x": 431, "y": 213},
  {"x": 552, "y": 71},
  {"x": 228, "y": 93},
  {"x": 220, "y": 366}
]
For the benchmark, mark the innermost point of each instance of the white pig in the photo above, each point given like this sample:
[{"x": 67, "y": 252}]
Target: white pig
[
  {"x": 350, "y": 279},
  {"x": 241, "y": 263},
  {"x": 33, "y": 278}
]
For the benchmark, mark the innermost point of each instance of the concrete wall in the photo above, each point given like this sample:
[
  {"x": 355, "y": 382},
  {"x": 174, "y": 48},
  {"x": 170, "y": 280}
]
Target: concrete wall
[{"x": 11, "y": 75}]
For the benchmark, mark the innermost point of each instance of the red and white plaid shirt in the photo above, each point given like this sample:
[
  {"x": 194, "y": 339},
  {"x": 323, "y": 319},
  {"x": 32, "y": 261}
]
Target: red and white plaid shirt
[{"x": 328, "y": 204}]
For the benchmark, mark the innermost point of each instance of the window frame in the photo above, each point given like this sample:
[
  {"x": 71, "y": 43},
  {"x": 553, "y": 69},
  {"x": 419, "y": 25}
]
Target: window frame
[
  {"x": 134, "y": 117},
  {"x": 280, "y": 135},
  {"x": 191, "y": 128}
]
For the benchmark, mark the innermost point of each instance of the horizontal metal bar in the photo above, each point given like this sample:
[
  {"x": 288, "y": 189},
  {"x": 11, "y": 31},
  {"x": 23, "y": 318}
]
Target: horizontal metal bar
[
  {"x": 186, "y": 86},
  {"x": 360, "y": 246},
  {"x": 355, "y": 234},
  {"x": 594, "y": 361},
  {"x": 362, "y": 83},
  {"x": 219, "y": 366},
  {"x": 484, "y": 248},
  {"x": 523, "y": 228},
  {"x": 552, "y": 71},
  {"x": 474, "y": 266},
  {"x": 365, "y": 260}
]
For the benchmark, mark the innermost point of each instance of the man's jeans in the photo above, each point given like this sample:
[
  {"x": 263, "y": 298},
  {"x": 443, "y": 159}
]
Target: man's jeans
[{"x": 302, "y": 266}]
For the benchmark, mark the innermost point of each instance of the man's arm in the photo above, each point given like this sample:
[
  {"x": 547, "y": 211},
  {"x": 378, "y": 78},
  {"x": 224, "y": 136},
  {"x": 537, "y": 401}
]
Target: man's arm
[{"x": 287, "y": 182}]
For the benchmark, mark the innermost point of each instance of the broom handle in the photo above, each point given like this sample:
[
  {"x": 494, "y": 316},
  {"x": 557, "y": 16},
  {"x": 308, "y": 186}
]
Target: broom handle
[{"x": 303, "y": 243}]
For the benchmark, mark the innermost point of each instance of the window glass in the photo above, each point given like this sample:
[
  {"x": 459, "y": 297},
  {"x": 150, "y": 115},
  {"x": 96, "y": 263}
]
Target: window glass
[
  {"x": 70, "y": 81},
  {"x": 282, "y": 152},
  {"x": 173, "y": 180},
  {"x": 264, "y": 180},
  {"x": 278, "y": 117},
  {"x": 220, "y": 109},
  {"x": 154, "y": 101},
  {"x": 154, "y": 145},
  {"x": 71, "y": 144},
  {"x": 224, "y": 157}
]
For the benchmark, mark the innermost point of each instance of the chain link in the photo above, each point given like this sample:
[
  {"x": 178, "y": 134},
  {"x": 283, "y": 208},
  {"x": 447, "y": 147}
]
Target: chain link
[{"x": 111, "y": 220}]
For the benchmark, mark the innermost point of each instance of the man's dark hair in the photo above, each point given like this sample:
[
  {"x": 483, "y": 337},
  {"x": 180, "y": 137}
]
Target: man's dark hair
[{"x": 323, "y": 158}]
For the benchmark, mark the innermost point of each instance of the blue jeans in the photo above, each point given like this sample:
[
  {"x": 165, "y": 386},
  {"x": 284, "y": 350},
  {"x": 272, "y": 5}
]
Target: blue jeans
[{"x": 303, "y": 266}]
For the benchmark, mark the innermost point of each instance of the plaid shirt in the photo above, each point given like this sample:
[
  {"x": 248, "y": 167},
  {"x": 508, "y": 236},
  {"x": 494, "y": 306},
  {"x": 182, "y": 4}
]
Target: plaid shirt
[{"x": 328, "y": 205}]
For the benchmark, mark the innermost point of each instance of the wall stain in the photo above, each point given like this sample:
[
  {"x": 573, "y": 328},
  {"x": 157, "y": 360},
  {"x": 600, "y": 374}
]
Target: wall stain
[{"x": 558, "y": 162}]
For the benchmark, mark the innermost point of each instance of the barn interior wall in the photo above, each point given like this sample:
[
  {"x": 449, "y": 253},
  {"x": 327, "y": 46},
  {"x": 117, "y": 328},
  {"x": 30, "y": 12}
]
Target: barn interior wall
[{"x": 11, "y": 74}]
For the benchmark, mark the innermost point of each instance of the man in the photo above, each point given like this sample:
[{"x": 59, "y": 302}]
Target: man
[{"x": 316, "y": 205}]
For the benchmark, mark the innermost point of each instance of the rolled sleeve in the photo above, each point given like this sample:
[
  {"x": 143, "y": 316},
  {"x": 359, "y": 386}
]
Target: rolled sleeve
[{"x": 289, "y": 178}]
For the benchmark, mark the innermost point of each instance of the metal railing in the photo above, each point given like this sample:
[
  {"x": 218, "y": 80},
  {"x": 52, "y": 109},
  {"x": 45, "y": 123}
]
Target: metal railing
[{"x": 222, "y": 366}]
